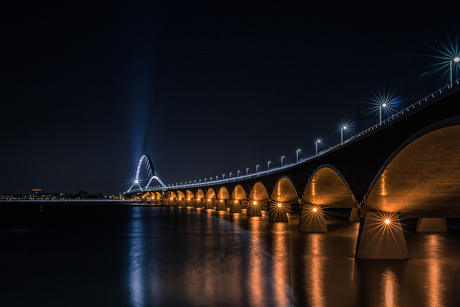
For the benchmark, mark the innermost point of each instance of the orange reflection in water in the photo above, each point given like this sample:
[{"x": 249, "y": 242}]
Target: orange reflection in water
[
  {"x": 435, "y": 287},
  {"x": 389, "y": 289},
  {"x": 314, "y": 270},
  {"x": 282, "y": 260},
  {"x": 256, "y": 295}
]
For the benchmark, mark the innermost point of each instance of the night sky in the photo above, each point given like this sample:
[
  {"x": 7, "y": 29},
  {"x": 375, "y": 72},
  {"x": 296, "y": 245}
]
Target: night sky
[{"x": 202, "y": 88}]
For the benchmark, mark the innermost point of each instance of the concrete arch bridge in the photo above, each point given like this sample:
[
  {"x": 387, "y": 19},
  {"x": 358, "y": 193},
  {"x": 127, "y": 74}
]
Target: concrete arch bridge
[{"x": 406, "y": 167}]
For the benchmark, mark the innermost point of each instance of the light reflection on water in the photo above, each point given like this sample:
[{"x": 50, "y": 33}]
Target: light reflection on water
[
  {"x": 154, "y": 256},
  {"x": 230, "y": 259},
  {"x": 255, "y": 268},
  {"x": 389, "y": 289},
  {"x": 314, "y": 271},
  {"x": 136, "y": 260},
  {"x": 282, "y": 259},
  {"x": 436, "y": 276}
]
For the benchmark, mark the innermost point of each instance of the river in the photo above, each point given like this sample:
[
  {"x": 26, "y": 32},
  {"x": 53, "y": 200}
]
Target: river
[{"x": 114, "y": 254}]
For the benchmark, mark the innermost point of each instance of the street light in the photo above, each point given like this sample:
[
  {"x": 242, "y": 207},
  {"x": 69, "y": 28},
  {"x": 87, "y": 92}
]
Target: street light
[
  {"x": 380, "y": 111},
  {"x": 282, "y": 161},
  {"x": 456, "y": 59},
  {"x": 297, "y": 155},
  {"x": 223, "y": 176},
  {"x": 269, "y": 165},
  {"x": 318, "y": 141},
  {"x": 247, "y": 170},
  {"x": 257, "y": 168},
  {"x": 341, "y": 133},
  {"x": 238, "y": 173},
  {"x": 230, "y": 174}
]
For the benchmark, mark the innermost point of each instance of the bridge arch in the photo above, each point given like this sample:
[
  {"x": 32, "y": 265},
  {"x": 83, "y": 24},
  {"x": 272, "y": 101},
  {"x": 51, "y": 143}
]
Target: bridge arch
[
  {"x": 421, "y": 177},
  {"x": 210, "y": 194},
  {"x": 199, "y": 194},
  {"x": 328, "y": 188},
  {"x": 284, "y": 191},
  {"x": 260, "y": 195},
  {"x": 259, "y": 192},
  {"x": 180, "y": 197},
  {"x": 189, "y": 194},
  {"x": 189, "y": 198},
  {"x": 180, "y": 194},
  {"x": 145, "y": 173},
  {"x": 239, "y": 193},
  {"x": 223, "y": 193}
]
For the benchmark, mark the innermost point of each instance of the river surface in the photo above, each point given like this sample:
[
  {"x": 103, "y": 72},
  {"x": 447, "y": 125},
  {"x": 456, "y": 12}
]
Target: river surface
[{"x": 109, "y": 254}]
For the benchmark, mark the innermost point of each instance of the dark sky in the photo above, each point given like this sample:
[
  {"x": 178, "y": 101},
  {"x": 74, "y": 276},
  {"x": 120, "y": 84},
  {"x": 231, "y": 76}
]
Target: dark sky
[{"x": 203, "y": 89}]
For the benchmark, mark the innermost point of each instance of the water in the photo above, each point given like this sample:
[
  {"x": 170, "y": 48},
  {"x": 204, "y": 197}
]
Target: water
[{"x": 96, "y": 254}]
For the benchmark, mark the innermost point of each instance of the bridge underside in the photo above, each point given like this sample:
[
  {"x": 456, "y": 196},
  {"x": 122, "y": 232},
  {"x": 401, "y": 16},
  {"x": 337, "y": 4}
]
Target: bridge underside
[
  {"x": 328, "y": 189},
  {"x": 423, "y": 180}
]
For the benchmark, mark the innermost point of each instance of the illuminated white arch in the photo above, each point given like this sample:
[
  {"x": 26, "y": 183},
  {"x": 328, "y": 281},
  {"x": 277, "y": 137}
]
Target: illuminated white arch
[{"x": 150, "y": 173}]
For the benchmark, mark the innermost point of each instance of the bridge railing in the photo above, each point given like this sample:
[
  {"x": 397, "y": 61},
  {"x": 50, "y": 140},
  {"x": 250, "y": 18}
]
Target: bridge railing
[{"x": 304, "y": 160}]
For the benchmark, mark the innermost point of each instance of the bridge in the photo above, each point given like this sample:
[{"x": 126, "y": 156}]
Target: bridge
[{"x": 407, "y": 166}]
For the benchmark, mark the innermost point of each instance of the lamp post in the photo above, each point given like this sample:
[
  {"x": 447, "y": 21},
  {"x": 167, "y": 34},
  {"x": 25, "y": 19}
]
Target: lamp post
[
  {"x": 318, "y": 141},
  {"x": 231, "y": 174},
  {"x": 257, "y": 168},
  {"x": 268, "y": 167},
  {"x": 238, "y": 172},
  {"x": 223, "y": 176},
  {"x": 380, "y": 111},
  {"x": 456, "y": 60},
  {"x": 341, "y": 133},
  {"x": 247, "y": 170},
  {"x": 297, "y": 155},
  {"x": 282, "y": 161}
]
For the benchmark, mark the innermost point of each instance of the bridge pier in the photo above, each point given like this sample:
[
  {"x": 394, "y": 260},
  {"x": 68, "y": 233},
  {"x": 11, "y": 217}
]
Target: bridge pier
[
  {"x": 198, "y": 203},
  {"x": 254, "y": 209},
  {"x": 278, "y": 213},
  {"x": 312, "y": 220},
  {"x": 431, "y": 225},
  {"x": 209, "y": 204},
  {"x": 381, "y": 237},
  {"x": 221, "y": 205},
  {"x": 235, "y": 207},
  {"x": 354, "y": 217}
]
